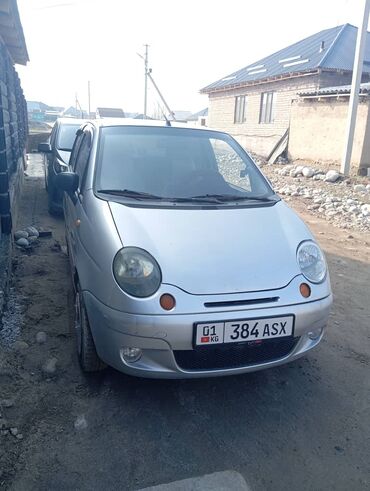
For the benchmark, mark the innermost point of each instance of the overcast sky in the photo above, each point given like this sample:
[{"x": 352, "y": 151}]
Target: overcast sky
[{"x": 192, "y": 43}]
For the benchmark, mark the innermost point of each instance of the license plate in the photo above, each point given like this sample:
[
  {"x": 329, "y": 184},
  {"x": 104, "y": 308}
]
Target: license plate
[{"x": 243, "y": 330}]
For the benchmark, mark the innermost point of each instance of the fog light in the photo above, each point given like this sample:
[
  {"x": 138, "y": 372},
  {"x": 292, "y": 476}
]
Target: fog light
[
  {"x": 167, "y": 301},
  {"x": 131, "y": 354},
  {"x": 315, "y": 334},
  {"x": 305, "y": 290}
]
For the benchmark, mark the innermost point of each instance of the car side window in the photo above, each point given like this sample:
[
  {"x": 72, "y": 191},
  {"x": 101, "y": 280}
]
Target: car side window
[
  {"x": 53, "y": 135},
  {"x": 83, "y": 158},
  {"x": 75, "y": 149}
]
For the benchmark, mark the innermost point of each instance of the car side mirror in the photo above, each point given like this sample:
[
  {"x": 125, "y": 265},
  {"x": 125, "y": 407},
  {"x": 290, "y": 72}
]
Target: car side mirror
[
  {"x": 44, "y": 147},
  {"x": 67, "y": 181}
]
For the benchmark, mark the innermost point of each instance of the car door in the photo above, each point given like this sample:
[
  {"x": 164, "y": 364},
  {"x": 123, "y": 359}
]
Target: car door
[{"x": 73, "y": 203}]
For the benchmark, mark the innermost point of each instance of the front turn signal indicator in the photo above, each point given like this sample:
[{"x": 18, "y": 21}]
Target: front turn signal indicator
[
  {"x": 167, "y": 301},
  {"x": 305, "y": 290}
]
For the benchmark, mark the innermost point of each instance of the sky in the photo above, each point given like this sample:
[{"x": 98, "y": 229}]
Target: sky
[{"x": 192, "y": 43}]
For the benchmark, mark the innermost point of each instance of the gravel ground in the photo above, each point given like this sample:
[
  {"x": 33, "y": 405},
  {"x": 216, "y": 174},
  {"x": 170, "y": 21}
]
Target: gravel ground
[
  {"x": 302, "y": 426},
  {"x": 345, "y": 203}
]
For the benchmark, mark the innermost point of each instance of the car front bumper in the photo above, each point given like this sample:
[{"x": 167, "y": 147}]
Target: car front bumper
[{"x": 167, "y": 340}]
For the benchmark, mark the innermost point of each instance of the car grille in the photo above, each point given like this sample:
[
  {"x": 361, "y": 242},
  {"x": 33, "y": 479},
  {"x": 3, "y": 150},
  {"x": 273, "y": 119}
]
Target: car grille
[{"x": 234, "y": 355}]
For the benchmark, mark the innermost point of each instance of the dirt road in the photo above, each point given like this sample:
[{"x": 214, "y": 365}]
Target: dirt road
[{"x": 301, "y": 426}]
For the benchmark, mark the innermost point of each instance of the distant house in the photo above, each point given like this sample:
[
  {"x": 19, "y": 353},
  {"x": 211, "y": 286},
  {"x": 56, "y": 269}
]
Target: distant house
[
  {"x": 200, "y": 118},
  {"x": 254, "y": 103},
  {"x": 139, "y": 116},
  {"x": 73, "y": 112},
  {"x": 109, "y": 112},
  {"x": 181, "y": 116},
  {"x": 36, "y": 110}
]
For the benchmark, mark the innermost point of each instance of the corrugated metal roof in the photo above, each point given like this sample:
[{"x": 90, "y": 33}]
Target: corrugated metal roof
[
  {"x": 339, "y": 89},
  {"x": 331, "y": 49}
]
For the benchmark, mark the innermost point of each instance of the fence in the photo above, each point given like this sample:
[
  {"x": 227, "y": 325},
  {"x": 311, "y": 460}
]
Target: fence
[{"x": 13, "y": 133}]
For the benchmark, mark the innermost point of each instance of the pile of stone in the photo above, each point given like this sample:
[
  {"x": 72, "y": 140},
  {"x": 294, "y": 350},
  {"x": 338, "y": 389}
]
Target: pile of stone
[
  {"x": 335, "y": 198},
  {"x": 25, "y": 237}
]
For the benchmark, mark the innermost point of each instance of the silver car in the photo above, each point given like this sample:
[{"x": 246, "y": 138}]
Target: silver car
[{"x": 184, "y": 260}]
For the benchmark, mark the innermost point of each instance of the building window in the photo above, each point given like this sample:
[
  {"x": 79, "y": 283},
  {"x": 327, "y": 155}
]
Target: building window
[
  {"x": 267, "y": 110},
  {"x": 240, "y": 107}
]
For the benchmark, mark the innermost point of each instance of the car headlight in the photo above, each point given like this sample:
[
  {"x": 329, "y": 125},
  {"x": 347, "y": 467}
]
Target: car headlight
[
  {"x": 137, "y": 272},
  {"x": 311, "y": 261},
  {"x": 60, "y": 166}
]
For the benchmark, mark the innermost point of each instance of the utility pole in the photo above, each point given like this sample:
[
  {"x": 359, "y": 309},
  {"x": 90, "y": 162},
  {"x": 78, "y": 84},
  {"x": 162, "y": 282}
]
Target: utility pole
[
  {"x": 355, "y": 89},
  {"x": 89, "y": 97},
  {"x": 172, "y": 114},
  {"x": 146, "y": 80}
]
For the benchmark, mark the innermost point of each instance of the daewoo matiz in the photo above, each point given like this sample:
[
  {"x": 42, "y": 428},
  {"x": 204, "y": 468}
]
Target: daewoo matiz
[{"x": 184, "y": 260}]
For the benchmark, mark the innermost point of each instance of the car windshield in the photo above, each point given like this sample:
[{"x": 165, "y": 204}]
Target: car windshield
[
  {"x": 66, "y": 136},
  {"x": 176, "y": 164}
]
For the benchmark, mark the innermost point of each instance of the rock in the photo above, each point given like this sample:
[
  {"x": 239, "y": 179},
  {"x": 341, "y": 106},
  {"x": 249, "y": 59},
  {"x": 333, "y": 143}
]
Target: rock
[
  {"x": 308, "y": 172},
  {"x": 19, "y": 436},
  {"x": 32, "y": 231},
  {"x": 6, "y": 403},
  {"x": 20, "y": 346},
  {"x": 350, "y": 201},
  {"x": 365, "y": 210},
  {"x": 14, "y": 431},
  {"x": 22, "y": 242},
  {"x": 332, "y": 176},
  {"x": 359, "y": 188},
  {"x": 41, "y": 337},
  {"x": 80, "y": 423},
  {"x": 50, "y": 366},
  {"x": 21, "y": 234},
  {"x": 3, "y": 424}
]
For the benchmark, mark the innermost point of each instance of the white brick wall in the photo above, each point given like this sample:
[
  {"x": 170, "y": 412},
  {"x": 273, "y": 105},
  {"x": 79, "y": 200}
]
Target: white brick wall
[{"x": 257, "y": 137}]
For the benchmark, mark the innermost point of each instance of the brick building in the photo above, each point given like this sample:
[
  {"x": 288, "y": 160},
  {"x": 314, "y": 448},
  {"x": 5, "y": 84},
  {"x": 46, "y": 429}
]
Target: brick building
[{"x": 254, "y": 104}]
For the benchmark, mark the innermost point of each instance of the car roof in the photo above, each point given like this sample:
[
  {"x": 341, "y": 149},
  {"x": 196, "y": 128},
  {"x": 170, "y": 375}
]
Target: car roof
[
  {"x": 71, "y": 121},
  {"x": 106, "y": 122}
]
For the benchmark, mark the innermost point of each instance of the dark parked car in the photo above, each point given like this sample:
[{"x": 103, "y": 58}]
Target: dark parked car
[{"x": 56, "y": 157}]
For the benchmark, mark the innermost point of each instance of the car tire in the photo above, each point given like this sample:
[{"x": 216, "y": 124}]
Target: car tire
[{"x": 87, "y": 355}]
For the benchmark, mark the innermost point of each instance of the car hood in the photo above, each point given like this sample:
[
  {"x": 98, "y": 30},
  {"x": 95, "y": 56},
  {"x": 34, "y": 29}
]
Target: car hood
[
  {"x": 64, "y": 155},
  {"x": 214, "y": 251}
]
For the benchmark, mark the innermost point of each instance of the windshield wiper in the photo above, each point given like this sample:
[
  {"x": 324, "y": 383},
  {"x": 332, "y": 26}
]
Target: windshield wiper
[
  {"x": 230, "y": 197},
  {"x": 129, "y": 193}
]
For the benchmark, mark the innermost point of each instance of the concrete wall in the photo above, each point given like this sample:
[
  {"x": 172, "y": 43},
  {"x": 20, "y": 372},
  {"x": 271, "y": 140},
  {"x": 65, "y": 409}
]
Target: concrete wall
[
  {"x": 317, "y": 130},
  {"x": 260, "y": 138}
]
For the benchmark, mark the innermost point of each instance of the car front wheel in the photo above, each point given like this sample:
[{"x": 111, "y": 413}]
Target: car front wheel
[{"x": 87, "y": 355}]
